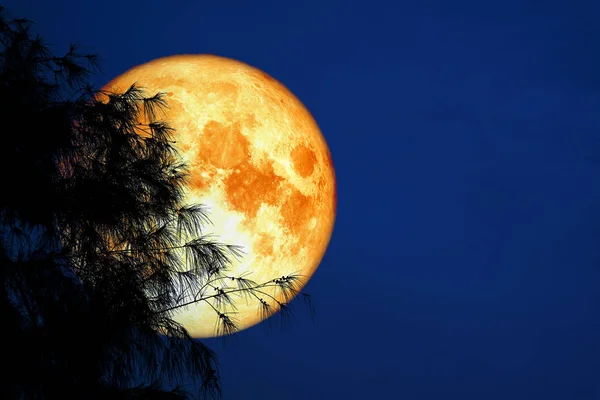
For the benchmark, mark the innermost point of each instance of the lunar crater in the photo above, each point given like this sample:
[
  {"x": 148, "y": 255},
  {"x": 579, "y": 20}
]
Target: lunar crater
[{"x": 304, "y": 160}]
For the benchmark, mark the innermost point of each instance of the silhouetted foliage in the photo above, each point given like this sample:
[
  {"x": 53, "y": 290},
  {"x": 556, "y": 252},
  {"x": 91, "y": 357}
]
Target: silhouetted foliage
[{"x": 92, "y": 261}]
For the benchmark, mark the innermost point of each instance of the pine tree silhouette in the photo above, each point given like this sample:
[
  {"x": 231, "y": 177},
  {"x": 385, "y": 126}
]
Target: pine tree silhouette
[{"x": 92, "y": 217}]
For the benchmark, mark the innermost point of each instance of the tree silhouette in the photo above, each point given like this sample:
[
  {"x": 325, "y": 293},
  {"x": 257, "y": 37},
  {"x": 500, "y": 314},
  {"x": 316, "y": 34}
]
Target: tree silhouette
[{"x": 93, "y": 261}]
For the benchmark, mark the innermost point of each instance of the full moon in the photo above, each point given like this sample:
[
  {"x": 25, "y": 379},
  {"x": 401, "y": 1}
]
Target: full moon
[{"x": 257, "y": 159}]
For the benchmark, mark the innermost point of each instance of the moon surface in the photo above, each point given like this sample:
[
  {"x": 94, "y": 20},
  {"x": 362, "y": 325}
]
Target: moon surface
[{"x": 257, "y": 159}]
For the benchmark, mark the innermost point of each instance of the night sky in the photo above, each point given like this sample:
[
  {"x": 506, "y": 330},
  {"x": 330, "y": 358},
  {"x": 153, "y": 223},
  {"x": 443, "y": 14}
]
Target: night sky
[{"x": 464, "y": 262}]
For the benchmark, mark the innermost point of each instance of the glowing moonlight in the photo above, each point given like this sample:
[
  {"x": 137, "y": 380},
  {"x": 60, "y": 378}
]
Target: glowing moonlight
[{"x": 257, "y": 159}]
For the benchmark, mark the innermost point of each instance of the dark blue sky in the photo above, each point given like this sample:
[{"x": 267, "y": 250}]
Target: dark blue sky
[{"x": 465, "y": 135}]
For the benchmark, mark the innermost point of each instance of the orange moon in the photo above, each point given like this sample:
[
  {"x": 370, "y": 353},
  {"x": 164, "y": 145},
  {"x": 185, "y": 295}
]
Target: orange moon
[{"x": 257, "y": 159}]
